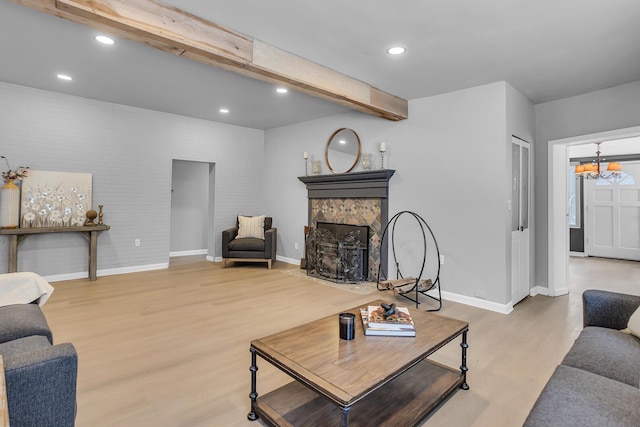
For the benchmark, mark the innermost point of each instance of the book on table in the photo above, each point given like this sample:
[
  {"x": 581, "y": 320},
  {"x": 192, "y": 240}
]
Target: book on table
[
  {"x": 400, "y": 319},
  {"x": 394, "y": 331}
]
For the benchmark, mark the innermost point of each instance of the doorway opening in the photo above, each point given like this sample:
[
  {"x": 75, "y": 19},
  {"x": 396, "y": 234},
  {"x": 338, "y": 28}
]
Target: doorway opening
[
  {"x": 192, "y": 202},
  {"x": 558, "y": 231}
]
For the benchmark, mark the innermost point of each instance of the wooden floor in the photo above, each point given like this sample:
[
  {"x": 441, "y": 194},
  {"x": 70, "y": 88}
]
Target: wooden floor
[{"x": 171, "y": 347}]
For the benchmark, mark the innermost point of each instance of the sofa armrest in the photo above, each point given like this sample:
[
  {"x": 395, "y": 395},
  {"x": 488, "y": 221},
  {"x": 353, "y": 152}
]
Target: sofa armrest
[
  {"x": 227, "y": 236},
  {"x": 608, "y": 309},
  {"x": 270, "y": 243},
  {"x": 41, "y": 386},
  {"x": 23, "y": 320}
]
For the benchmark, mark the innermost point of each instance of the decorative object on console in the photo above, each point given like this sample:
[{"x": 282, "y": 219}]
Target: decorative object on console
[
  {"x": 91, "y": 215},
  {"x": 10, "y": 196},
  {"x": 383, "y": 149},
  {"x": 416, "y": 286},
  {"x": 342, "y": 151},
  {"x": 306, "y": 158},
  {"x": 594, "y": 170},
  {"x": 366, "y": 161},
  {"x": 55, "y": 199},
  {"x": 100, "y": 215}
]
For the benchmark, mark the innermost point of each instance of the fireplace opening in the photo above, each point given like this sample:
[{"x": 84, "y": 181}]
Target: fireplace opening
[{"x": 338, "y": 252}]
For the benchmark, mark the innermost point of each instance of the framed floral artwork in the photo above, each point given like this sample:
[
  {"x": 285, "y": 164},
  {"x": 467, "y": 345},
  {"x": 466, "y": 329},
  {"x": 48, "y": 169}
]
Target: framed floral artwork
[{"x": 55, "y": 199}]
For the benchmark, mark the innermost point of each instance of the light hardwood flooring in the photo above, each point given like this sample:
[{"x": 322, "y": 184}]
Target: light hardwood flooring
[{"x": 171, "y": 347}]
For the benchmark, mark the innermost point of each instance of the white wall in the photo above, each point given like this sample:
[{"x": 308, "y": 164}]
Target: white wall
[
  {"x": 449, "y": 156},
  {"x": 599, "y": 111},
  {"x": 129, "y": 151}
]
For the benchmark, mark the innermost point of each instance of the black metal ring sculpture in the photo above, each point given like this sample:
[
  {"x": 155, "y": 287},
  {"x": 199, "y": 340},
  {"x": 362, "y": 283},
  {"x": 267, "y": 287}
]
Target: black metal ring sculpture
[{"x": 416, "y": 288}]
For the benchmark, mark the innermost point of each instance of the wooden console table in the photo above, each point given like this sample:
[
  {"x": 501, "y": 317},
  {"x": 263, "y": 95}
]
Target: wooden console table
[{"x": 17, "y": 236}]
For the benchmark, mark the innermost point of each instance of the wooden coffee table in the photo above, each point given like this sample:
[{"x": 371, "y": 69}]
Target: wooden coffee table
[{"x": 371, "y": 380}]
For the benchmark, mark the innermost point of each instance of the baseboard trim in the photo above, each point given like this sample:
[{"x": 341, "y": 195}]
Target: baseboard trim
[
  {"x": 106, "y": 272},
  {"x": 288, "y": 260},
  {"x": 477, "y": 302},
  {"x": 189, "y": 253},
  {"x": 539, "y": 290},
  {"x": 578, "y": 254}
]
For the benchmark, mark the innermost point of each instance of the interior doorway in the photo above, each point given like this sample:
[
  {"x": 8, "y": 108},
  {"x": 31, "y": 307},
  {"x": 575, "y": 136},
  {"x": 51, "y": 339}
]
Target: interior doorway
[
  {"x": 558, "y": 231},
  {"x": 192, "y": 185}
]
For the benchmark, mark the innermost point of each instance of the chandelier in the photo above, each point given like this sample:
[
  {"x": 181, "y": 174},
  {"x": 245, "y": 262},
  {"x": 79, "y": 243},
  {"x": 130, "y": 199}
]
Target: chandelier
[{"x": 595, "y": 170}]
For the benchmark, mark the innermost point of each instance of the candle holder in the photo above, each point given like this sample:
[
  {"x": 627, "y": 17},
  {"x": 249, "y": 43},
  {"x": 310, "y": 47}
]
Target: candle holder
[
  {"x": 381, "y": 159},
  {"x": 305, "y": 167}
]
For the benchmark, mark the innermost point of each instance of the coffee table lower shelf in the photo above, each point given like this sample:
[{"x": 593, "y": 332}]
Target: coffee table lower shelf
[{"x": 404, "y": 401}]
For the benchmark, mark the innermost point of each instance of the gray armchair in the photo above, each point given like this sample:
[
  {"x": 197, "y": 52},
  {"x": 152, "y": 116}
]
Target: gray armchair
[{"x": 250, "y": 249}]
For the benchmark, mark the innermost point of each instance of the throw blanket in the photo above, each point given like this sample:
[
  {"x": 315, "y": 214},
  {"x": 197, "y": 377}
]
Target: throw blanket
[{"x": 23, "y": 288}]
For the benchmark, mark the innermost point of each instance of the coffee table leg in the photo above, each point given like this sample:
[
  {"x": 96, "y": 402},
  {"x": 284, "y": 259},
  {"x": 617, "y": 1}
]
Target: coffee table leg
[
  {"x": 463, "y": 367},
  {"x": 254, "y": 394},
  {"x": 345, "y": 416}
]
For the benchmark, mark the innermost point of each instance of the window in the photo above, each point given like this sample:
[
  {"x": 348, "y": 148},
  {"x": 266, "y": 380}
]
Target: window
[{"x": 573, "y": 186}]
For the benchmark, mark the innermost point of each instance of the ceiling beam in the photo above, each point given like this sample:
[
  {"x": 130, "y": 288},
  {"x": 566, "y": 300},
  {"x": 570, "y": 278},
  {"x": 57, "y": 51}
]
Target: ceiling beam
[{"x": 181, "y": 33}]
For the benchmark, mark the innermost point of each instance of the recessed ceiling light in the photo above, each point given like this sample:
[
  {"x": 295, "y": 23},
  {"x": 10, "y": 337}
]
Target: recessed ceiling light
[
  {"x": 282, "y": 90},
  {"x": 105, "y": 39},
  {"x": 65, "y": 77},
  {"x": 396, "y": 50},
  {"x": 224, "y": 110}
]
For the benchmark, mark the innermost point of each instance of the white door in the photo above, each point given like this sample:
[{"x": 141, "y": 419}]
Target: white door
[
  {"x": 612, "y": 211},
  {"x": 519, "y": 205}
]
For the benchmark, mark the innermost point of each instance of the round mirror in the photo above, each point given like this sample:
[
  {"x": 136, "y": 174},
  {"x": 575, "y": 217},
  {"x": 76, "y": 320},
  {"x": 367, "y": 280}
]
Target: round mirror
[{"x": 343, "y": 151}]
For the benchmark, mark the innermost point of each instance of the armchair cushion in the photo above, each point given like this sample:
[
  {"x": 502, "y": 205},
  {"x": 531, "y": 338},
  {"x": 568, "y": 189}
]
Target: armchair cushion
[
  {"x": 250, "y": 227},
  {"x": 247, "y": 244}
]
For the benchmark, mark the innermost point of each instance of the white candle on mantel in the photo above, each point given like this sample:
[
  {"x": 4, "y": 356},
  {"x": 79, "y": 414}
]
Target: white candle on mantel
[
  {"x": 383, "y": 147},
  {"x": 306, "y": 155}
]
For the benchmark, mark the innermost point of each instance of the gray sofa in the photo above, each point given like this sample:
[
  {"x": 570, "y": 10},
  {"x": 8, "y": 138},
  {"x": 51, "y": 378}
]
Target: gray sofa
[
  {"x": 598, "y": 381},
  {"x": 40, "y": 377}
]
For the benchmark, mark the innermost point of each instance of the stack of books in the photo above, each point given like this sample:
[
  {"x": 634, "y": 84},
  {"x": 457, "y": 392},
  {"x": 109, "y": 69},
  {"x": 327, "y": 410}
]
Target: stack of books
[{"x": 399, "y": 324}]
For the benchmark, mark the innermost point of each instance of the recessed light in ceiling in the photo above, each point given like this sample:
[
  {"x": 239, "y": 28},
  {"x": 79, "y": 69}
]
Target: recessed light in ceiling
[
  {"x": 65, "y": 77},
  {"x": 282, "y": 90},
  {"x": 105, "y": 40},
  {"x": 396, "y": 50},
  {"x": 224, "y": 110}
]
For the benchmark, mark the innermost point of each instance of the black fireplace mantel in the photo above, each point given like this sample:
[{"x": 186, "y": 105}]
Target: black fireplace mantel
[{"x": 367, "y": 184}]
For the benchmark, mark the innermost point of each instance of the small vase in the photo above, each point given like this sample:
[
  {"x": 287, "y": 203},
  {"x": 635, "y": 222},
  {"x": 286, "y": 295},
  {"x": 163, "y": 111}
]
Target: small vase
[
  {"x": 316, "y": 167},
  {"x": 9, "y": 205},
  {"x": 366, "y": 161}
]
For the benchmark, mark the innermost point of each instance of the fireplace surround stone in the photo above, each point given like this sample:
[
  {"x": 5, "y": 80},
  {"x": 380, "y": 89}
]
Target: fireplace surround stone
[{"x": 357, "y": 198}]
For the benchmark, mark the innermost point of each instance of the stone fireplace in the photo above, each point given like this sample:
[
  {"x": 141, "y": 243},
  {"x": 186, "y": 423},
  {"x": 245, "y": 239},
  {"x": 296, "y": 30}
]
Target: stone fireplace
[{"x": 358, "y": 198}]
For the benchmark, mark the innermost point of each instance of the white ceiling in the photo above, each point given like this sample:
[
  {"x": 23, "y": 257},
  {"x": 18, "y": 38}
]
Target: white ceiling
[{"x": 546, "y": 49}]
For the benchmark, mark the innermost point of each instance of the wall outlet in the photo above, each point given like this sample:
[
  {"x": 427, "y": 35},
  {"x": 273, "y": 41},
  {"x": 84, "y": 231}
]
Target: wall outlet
[
  {"x": 137, "y": 242},
  {"x": 441, "y": 259},
  {"x": 295, "y": 245}
]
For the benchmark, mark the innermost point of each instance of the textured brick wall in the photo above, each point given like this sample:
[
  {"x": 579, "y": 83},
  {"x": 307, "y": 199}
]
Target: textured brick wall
[{"x": 129, "y": 151}]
